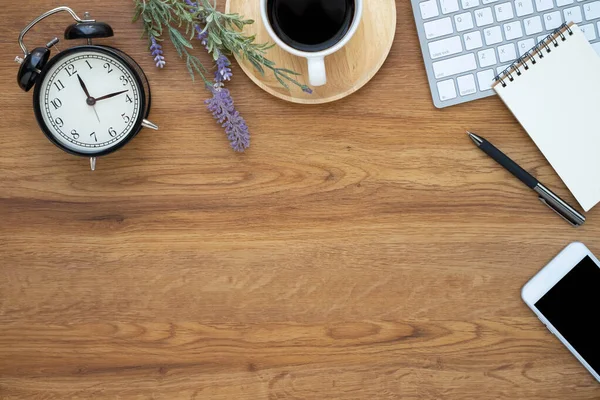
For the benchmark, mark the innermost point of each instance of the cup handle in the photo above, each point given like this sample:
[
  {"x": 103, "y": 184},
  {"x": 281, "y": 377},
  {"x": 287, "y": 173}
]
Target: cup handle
[{"x": 317, "y": 75}]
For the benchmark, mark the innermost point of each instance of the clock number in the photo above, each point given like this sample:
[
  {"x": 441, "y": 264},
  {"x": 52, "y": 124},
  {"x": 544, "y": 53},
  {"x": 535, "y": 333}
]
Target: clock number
[
  {"x": 59, "y": 122},
  {"x": 88, "y": 63},
  {"x": 124, "y": 80},
  {"x": 71, "y": 70},
  {"x": 56, "y": 103},
  {"x": 125, "y": 118},
  {"x": 108, "y": 68},
  {"x": 93, "y": 134},
  {"x": 112, "y": 132},
  {"x": 74, "y": 134},
  {"x": 128, "y": 99},
  {"x": 59, "y": 85}
]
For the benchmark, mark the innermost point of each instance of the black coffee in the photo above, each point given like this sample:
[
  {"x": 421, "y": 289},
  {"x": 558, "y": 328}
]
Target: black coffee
[{"x": 310, "y": 25}]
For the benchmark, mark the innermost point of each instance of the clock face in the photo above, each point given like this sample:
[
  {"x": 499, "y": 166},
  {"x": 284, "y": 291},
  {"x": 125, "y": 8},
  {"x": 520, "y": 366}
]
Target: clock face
[{"x": 89, "y": 101}]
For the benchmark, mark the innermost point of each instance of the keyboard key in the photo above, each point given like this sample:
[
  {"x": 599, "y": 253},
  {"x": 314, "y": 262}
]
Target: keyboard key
[
  {"x": 533, "y": 25},
  {"x": 589, "y": 31},
  {"x": 453, "y": 66},
  {"x": 466, "y": 85},
  {"x": 524, "y": 7},
  {"x": 513, "y": 30},
  {"x": 484, "y": 17},
  {"x": 485, "y": 79},
  {"x": 449, "y": 6},
  {"x": 437, "y": 28},
  {"x": 472, "y": 40},
  {"x": 504, "y": 12},
  {"x": 560, "y": 3},
  {"x": 466, "y": 4},
  {"x": 446, "y": 90},
  {"x": 501, "y": 69},
  {"x": 543, "y": 5},
  {"x": 596, "y": 47},
  {"x": 429, "y": 9},
  {"x": 463, "y": 22},
  {"x": 540, "y": 38},
  {"x": 445, "y": 47},
  {"x": 592, "y": 10},
  {"x": 492, "y": 35},
  {"x": 573, "y": 14},
  {"x": 507, "y": 53},
  {"x": 525, "y": 45},
  {"x": 552, "y": 20},
  {"x": 487, "y": 57}
]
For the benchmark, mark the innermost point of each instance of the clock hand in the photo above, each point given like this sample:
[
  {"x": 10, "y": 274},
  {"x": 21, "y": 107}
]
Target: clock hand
[
  {"x": 108, "y": 96},
  {"x": 96, "y": 112},
  {"x": 90, "y": 100},
  {"x": 85, "y": 90}
]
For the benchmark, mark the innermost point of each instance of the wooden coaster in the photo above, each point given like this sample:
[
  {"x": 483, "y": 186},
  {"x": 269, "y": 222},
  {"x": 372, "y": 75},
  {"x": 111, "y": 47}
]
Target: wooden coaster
[{"x": 347, "y": 70}]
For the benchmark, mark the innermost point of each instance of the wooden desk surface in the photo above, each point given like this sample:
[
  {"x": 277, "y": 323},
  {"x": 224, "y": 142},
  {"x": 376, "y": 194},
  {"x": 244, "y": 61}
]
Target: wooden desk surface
[{"x": 359, "y": 250}]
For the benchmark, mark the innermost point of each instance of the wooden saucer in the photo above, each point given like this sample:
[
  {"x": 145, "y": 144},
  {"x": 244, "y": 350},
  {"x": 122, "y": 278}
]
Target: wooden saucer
[{"x": 347, "y": 70}]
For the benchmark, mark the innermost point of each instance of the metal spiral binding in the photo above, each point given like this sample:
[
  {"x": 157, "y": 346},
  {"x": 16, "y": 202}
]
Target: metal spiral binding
[{"x": 530, "y": 56}]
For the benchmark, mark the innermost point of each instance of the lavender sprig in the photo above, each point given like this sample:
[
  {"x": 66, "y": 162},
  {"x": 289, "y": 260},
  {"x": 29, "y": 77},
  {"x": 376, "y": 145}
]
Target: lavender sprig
[
  {"x": 157, "y": 53},
  {"x": 223, "y": 72},
  {"x": 222, "y": 36},
  {"x": 222, "y": 108}
]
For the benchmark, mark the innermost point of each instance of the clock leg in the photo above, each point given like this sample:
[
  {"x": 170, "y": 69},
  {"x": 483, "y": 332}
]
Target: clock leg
[
  {"x": 149, "y": 125},
  {"x": 93, "y": 163}
]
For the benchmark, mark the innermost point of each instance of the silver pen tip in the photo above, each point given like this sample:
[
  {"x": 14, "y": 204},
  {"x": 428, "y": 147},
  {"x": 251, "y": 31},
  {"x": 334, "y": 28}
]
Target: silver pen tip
[{"x": 476, "y": 139}]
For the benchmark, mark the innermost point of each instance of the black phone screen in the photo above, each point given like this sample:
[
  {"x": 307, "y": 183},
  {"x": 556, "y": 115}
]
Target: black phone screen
[{"x": 572, "y": 306}]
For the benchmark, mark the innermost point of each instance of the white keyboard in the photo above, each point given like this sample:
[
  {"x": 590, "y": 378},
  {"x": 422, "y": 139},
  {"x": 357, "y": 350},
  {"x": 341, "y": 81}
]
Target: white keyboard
[{"x": 466, "y": 43}]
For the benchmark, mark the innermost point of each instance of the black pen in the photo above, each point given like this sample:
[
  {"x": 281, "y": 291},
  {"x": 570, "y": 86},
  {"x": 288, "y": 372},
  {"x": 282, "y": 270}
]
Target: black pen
[{"x": 546, "y": 195}]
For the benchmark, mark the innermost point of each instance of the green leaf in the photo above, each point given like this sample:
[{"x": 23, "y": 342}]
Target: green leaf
[
  {"x": 289, "y": 71},
  {"x": 180, "y": 38},
  {"x": 215, "y": 38}
]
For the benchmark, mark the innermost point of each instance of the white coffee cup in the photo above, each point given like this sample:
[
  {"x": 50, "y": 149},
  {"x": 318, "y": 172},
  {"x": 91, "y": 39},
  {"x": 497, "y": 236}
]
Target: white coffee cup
[{"x": 316, "y": 60}]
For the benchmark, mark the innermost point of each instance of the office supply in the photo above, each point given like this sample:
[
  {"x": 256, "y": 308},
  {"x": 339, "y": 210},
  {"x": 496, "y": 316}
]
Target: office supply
[
  {"x": 546, "y": 196},
  {"x": 564, "y": 296},
  {"x": 465, "y": 43},
  {"x": 556, "y": 100},
  {"x": 348, "y": 70}
]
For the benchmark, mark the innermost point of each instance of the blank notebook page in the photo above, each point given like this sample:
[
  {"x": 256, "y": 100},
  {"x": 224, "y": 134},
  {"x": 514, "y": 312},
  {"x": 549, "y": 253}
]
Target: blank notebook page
[{"x": 557, "y": 101}]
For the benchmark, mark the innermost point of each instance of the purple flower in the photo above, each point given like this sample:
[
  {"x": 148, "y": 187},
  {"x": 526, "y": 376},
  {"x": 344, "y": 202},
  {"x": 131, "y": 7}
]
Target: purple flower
[
  {"x": 193, "y": 9},
  {"x": 222, "y": 108},
  {"x": 157, "y": 53},
  {"x": 223, "y": 72},
  {"x": 306, "y": 89},
  {"x": 202, "y": 35}
]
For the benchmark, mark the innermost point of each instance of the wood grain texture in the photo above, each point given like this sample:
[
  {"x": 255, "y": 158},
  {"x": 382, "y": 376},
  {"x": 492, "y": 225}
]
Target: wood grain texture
[
  {"x": 348, "y": 70},
  {"x": 361, "y": 249}
]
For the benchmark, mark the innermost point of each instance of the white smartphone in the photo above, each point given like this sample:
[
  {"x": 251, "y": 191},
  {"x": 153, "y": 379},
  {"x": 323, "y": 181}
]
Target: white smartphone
[{"x": 565, "y": 295}]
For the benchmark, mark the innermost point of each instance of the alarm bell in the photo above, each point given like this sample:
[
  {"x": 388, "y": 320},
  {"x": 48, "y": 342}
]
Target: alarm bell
[
  {"x": 34, "y": 61},
  {"x": 32, "y": 65},
  {"x": 88, "y": 30}
]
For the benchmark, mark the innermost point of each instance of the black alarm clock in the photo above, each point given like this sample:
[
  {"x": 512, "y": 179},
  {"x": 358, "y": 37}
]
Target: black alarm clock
[{"x": 89, "y": 100}]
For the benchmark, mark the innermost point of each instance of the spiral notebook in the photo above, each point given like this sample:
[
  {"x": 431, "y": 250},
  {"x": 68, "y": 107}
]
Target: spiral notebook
[{"x": 554, "y": 92}]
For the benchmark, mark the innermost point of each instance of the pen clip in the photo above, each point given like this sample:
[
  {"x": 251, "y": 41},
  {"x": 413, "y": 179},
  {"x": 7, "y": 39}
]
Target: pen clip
[{"x": 557, "y": 211}]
